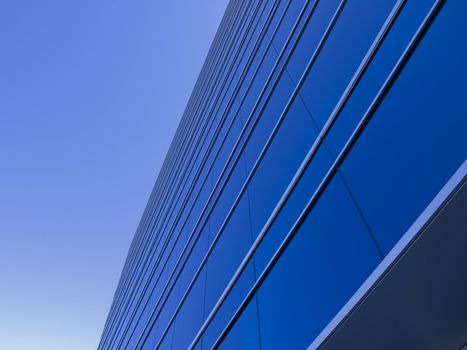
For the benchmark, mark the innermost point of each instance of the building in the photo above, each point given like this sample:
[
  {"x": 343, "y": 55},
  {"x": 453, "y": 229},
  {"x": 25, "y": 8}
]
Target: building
[{"x": 314, "y": 193}]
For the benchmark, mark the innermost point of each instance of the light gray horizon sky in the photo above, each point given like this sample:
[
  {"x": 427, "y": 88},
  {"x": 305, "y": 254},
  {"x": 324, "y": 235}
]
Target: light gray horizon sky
[{"x": 91, "y": 93}]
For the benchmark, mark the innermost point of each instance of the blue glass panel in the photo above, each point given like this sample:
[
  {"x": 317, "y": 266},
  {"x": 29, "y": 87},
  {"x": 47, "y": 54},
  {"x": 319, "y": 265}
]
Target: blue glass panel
[{"x": 416, "y": 139}]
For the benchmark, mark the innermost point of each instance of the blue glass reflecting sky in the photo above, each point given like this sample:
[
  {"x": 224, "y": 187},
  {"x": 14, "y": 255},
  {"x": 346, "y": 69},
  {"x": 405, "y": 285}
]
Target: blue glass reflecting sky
[{"x": 90, "y": 95}]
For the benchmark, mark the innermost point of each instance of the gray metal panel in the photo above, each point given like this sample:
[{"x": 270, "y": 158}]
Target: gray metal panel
[{"x": 419, "y": 300}]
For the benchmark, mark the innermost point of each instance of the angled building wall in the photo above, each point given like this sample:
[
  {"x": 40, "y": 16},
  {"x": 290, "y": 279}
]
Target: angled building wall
[{"x": 316, "y": 135}]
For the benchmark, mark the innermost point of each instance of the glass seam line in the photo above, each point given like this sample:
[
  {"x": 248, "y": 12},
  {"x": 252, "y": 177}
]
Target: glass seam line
[
  {"x": 161, "y": 252},
  {"x": 255, "y": 271},
  {"x": 354, "y": 200},
  {"x": 341, "y": 157},
  {"x": 171, "y": 230},
  {"x": 238, "y": 141},
  {"x": 360, "y": 212}
]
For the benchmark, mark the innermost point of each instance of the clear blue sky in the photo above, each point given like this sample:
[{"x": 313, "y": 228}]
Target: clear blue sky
[{"x": 91, "y": 92}]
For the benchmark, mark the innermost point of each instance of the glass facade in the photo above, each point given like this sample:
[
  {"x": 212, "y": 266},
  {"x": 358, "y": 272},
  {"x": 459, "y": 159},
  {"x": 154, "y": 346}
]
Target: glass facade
[{"x": 316, "y": 134}]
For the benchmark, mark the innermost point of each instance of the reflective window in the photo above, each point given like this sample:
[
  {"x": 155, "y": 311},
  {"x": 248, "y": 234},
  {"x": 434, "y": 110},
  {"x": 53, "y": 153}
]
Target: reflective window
[{"x": 416, "y": 139}]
